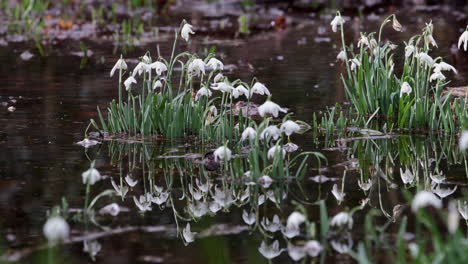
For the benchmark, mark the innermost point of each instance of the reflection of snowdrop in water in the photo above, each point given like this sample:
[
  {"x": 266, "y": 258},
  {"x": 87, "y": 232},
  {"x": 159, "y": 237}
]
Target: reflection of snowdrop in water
[
  {"x": 295, "y": 219},
  {"x": 463, "y": 209},
  {"x": 342, "y": 219},
  {"x": 91, "y": 176},
  {"x": 290, "y": 231},
  {"x": 272, "y": 226},
  {"x": 265, "y": 181},
  {"x": 270, "y": 251},
  {"x": 111, "y": 209},
  {"x": 130, "y": 181},
  {"x": 188, "y": 235},
  {"x": 223, "y": 198},
  {"x": 437, "y": 177},
  {"x": 205, "y": 187},
  {"x": 339, "y": 195},
  {"x": 249, "y": 218},
  {"x": 92, "y": 248},
  {"x": 56, "y": 229},
  {"x": 196, "y": 194},
  {"x": 407, "y": 176},
  {"x": 215, "y": 207},
  {"x": 120, "y": 190},
  {"x": 298, "y": 252},
  {"x": 160, "y": 198},
  {"x": 143, "y": 203},
  {"x": 342, "y": 245},
  {"x": 198, "y": 209},
  {"x": 365, "y": 185},
  {"x": 443, "y": 192},
  {"x": 86, "y": 143},
  {"x": 424, "y": 199}
]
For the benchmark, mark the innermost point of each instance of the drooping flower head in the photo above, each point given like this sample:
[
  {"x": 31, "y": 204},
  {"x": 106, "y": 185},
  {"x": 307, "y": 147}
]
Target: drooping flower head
[
  {"x": 56, "y": 229},
  {"x": 196, "y": 67},
  {"x": 222, "y": 154},
  {"x": 463, "y": 40},
  {"x": 160, "y": 67},
  {"x": 289, "y": 127},
  {"x": 215, "y": 64},
  {"x": 186, "y": 30},
  {"x": 119, "y": 65},
  {"x": 270, "y": 108},
  {"x": 405, "y": 89},
  {"x": 337, "y": 21}
]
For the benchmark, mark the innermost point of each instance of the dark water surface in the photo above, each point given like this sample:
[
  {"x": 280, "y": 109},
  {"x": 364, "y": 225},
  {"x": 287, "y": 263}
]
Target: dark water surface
[{"x": 40, "y": 164}]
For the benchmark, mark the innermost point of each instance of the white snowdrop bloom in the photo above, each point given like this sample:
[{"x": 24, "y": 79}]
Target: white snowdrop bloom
[
  {"x": 244, "y": 195},
  {"x": 222, "y": 154},
  {"x": 342, "y": 247},
  {"x": 296, "y": 252},
  {"x": 140, "y": 68},
  {"x": 261, "y": 199},
  {"x": 276, "y": 149},
  {"x": 215, "y": 207},
  {"x": 313, "y": 248},
  {"x": 224, "y": 198},
  {"x": 290, "y": 231},
  {"x": 86, "y": 143},
  {"x": 218, "y": 78},
  {"x": 160, "y": 67},
  {"x": 271, "y": 226},
  {"x": 204, "y": 187},
  {"x": 146, "y": 59},
  {"x": 463, "y": 141},
  {"x": 289, "y": 127},
  {"x": 92, "y": 248},
  {"x": 405, "y": 89},
  {"x": 249, "y": 133},
  {"x": 186, "y": 30},
  {"x": 290, "y": 147},
  {"x": 437, "y": 75},
  {"x": 119, "y": 65},
  {"x": 143, "y": 204},
  {"x": 425, "y": 58},
  {"x": 443, "y": 192},
  {"x": 188, "y": 235},
  {"x": 432, "y": 40},
  {"x": 337, "y": 21},
  {"x": 270, "y": 132},
  {"x": 424, "y": 199},
  {"x": 339, "y": 195},
  {"x": 215, "y": 64},
  {"x": 363, "y": 41},
  {"x": 203, "y": 92},
  {"x": 443, "y": 66},
  {"x": 213, "y": 110},
  {"x": 453, "y": 218},
  {"x": 342, "y": 219},
  {"x": 130, "y": 181},
  {"x": 437, "y": 177},
  {"x": 463, "y": 209},
  {"x": 11, "y": 109},
  {"x": 222, "y": 86},
  {"x": 342, "y": 56},
  {"x": 295, "y": 219},
  {"x": 111, "y": 209},
  {"x": 270, "y": 108},
  {"x": 160, "y": 198},
  {"x": 355, "y": 63},
  {"x": 396, "y": 25},
  {"x": 157, "y": 85},
  {"x": 249, "y": 218},
  {"x": 240, "y": 90},
  {"x": 259, "y": 88},
  {"x": 56, "y": 229},
  {"x": 463, "y": 40},
  {"x": 120, "y": 190},
  {"x": 407, "y": 176},
  {"x": 413, "y": 249},
  {"x": 270, "y": 251},
  {"x": 128, "y": 82},
  {"x": 198, "y": 209},
  {"x": 410, "y": 49},
  {"x": 91, "y": 176},
  {"x": 196, "y": 194},
  {"x": 365, "y": 185},
  {"x": 196, "y": 67},
  {"x": 265, "y": 181}
]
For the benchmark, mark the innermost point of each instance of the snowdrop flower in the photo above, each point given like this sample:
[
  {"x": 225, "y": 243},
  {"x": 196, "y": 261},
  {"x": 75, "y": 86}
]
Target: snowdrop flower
[
  {"x": 270, "y": 132},
  {"x": 342, "y": 219},
  {"x": 222, "y": 154},
  {"x": 355, "y": 64},
  {"x": 240, "y": 90},
  {"x": 196, "y": 67},
  {"x": 86, "y": 143},
  {"x": 203, "y": 92},
  {"x": 396, "y": 25},
  {"x": 224, "y": 198},
  {"x": 363, "y": 41},
  {"x": 204, "y": 187},
  {"x": 261, "y": 199},
  {"x": 271, "y": 226},
  {"x": 91, "y": 176},
  {"x": 290, "y": 231},
  {"x": 365, "y": 186},
  {"x": 410, "y": 49},
  {"x": 463, "y": 209},
  {"x": 443, "y": 192},
  {"x": 270, "y": 251},
  {"x": 275, "y": 149},
  {"x": 289, "y": 127},
  {"x": 215, "y": 64},
  {"x": 463, "y": 40},
  {"x": 143, "y": 203},
  {"x": 140, "y": 68},
  {"x": 131, "y": 182},
  {"x": 463, "y": 141},
  {"x": 198, "y": 209},
  {"x": 188, "y": 235},
  {"x": 157, "y": 84},
  {"x": 249, "y": 218},
  {"x": 265, "y": 181},
  {"x": 296, "y": 252},
  {"x": 160, "y": 67},
  {"x": 270, "y": 108},
  {"x": 119, "y": 65},
  {"x": 56, "y": 229},
  {"x": 128, "y": 82},
  {"x": 425, "y": 58},
  {"x": 337, "y": 21},
  {"x": 295, "y": 219},
  {"x": 222, "y": 86},
  {"x": 112, "y": 209},
  {"x": 405, "y": 89},
  {"x": 186, "y": 30},
  {"x": 313, "y": 248},
  {"x": 92, "y": 248},
  {"x": 160, "y": 198},
  {"x": 213, "y": 110},
  {"x": 121, "y": 191},
  {"x": 215, "y": 207},
  {"x": 342, "y": 247},
  {"x": 218, "y": 77},
  {"x": 424, "y": 199},
  {"x": 407, "y": 176},
  {"x": 339, "y": 195},
  {"x": 453, "y": 218},
  {"x": 437, "y": 75},
  {"x": 437, "y": 177},
  {"x": 196, "y": 194},
  {"x": 290, "y": 147},
  {"x": 249, "y": 133},
  {"x": 342, "y": 56},
  {"x": 432, "y": 40},
  {"x": 259, "y": 88},
  {"x": 443, "y": 66}
]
